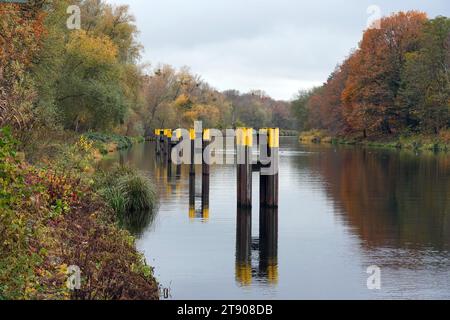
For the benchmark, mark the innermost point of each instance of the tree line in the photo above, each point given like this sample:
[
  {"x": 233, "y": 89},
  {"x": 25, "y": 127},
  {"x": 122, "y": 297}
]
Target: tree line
[
  {"x": 396, "y": 82},
  {"x": 53, "y": 78}
]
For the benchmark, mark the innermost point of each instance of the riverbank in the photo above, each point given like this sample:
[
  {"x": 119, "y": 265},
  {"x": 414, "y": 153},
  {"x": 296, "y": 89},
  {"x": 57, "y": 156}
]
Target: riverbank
[
  {"x": 52, "y": 218},
  {"x": 436, "y": 143},
  {"x": 108, "y": 142}
]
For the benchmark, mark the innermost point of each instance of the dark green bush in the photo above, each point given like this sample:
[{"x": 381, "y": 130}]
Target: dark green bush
[{"x": 127, "y": 191}]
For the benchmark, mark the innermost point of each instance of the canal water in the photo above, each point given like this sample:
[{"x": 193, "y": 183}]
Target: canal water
[{"x": 342, "y": 210}]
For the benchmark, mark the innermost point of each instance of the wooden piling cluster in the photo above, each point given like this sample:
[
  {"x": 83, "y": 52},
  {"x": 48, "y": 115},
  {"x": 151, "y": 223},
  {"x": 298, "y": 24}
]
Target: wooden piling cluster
[
  {"x": 267, "y": 140},
  {"x": 268, "y": 144},
  {"x": 164, "y": 142}
]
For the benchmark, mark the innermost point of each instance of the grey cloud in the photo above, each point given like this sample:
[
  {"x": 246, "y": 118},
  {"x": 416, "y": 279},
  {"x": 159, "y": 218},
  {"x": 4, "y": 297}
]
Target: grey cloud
[{"x": 279, "y": 46}]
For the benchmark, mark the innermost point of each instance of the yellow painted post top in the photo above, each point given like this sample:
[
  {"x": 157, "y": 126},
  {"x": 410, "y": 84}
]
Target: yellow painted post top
[
  {"x": 207, "y": 134},
  {"x": 274, "y": 137},
  {"x": 168, "y": 133},
  {"x": 244, "y": 137},
  {"x": 159, "y": 132},
  {"x": 192, "y": 134}
]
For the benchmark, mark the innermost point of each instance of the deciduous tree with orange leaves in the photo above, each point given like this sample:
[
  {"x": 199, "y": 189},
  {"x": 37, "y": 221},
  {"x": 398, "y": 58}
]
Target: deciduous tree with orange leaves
[
  {"x": 375, "y": 73},
  {"x": 396, "y": 82}
]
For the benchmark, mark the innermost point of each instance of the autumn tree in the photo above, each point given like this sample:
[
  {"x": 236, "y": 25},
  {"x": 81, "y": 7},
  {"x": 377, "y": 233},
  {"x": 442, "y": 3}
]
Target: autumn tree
[
  {"x": 375, "y": 73},
  {"x": 425, "y": 90},
  {"x": 21, "y": 26}
]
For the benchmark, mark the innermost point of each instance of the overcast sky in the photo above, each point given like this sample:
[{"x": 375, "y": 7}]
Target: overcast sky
[{"x": 279, "y": 46}]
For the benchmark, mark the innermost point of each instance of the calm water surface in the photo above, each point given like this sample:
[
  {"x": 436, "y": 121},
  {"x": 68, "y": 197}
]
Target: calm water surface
[{"x": 341, "y": 211}]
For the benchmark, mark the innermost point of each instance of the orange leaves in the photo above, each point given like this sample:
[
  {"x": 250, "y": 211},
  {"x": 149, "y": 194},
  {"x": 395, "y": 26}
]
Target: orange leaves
[
  {"x": 20, "y": 34},
  {"x": 362, "y": 96},
  {"x": 375, "y": 72}
]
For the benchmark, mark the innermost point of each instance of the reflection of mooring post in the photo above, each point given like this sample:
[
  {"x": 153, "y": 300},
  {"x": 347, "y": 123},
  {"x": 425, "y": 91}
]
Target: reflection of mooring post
[
  {"x": 192, "y": 195},
  {"x": 268, "y": 243},
  {"x": 244, "y": 246},
  {"x": 192, "y": 175},
  {"x": 269, "y": 172},
  {"x": 205, "y": 173},
  {"x": 244, "y": 143}
]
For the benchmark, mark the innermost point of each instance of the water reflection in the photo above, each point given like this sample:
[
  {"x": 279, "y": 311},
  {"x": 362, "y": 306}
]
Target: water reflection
[
  {"x": 138, "y": 222},
  {"x": 391, "y": 198},
  {"x": 268, "y": 244},
  {"x": 341, "y": 210},
  {"x": 244, "y": 246},
  {"x": 265, "y": 268}
]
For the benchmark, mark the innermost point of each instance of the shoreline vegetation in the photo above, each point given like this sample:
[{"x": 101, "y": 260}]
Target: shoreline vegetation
[
  {"x": 55, "y": 216},
  {"x": 413, "y": 142},
  {"x": 393, "y": 90}
]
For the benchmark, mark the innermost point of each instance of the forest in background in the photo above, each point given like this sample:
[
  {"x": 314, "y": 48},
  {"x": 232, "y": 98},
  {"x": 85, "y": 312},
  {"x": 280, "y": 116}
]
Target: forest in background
[
  {"x": 396, "y": 83},
  {"x": 54, "y": 79}
]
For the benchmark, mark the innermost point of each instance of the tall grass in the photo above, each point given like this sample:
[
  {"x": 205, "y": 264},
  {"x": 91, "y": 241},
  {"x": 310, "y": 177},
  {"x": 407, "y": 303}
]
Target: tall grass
[
  {"x": 138, "y": 192},
  {"x": 128, "y": 191}
]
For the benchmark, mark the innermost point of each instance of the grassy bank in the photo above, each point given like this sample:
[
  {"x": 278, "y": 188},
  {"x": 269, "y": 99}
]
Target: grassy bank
[
  {"x": 437, "y": 143},
  {"x": 108, "y": 142},
  {"x": 53, "y": 216}
]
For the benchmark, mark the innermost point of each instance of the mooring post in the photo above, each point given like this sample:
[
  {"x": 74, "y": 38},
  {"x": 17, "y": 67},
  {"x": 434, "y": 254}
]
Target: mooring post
[
  {"x": 161, "y": 141},
  {"x": 244, "y": 143},
  {"x": 157, "y": 141},
  {"x": 206, "y": 139},
  {"x": 269, "y": 177},
  {"x": 165, "y": 141},
  {"x": 263, "y": 141},
  {"x": 192, "y": 164},
  {"x": 169, "y": 135}
]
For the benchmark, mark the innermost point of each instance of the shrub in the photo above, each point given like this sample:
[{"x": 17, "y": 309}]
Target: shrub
[
  {"x": 314, "y": 136},
  {"x": 102, "y": 140},
  {"x": 126, "y": 190},
  {"x": 49, "y": 221},
  {"x": 138, "y": 192}
]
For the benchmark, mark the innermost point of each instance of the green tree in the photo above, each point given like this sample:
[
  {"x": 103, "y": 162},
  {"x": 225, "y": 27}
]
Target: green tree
[{"x": 425, "y": 89}]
